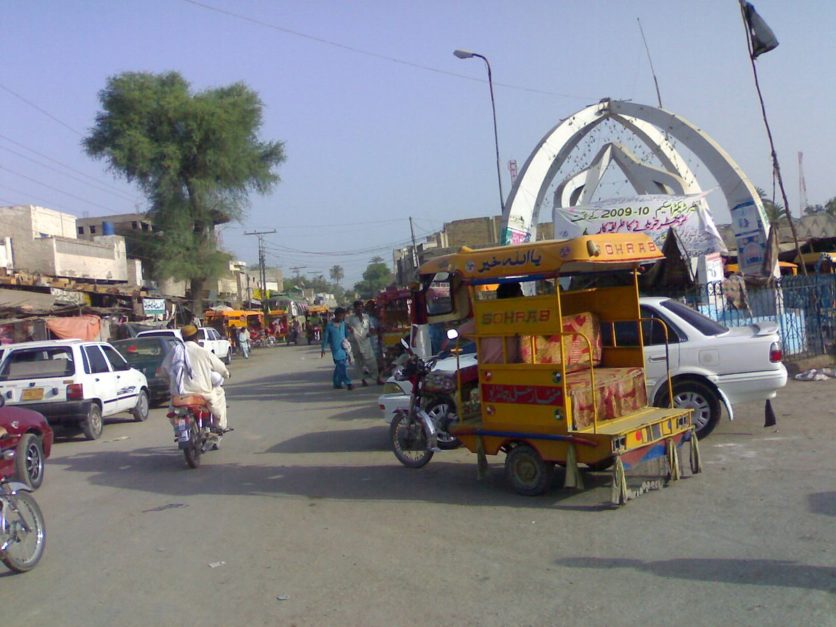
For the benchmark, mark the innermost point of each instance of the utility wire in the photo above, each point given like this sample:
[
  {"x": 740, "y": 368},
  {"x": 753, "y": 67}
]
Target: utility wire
[
  {"x": 43, "y": 111},
  {"x": 63, "y": 165},
  {"x": 53, "y": 188},
  {"x": 378, "y": 55}
]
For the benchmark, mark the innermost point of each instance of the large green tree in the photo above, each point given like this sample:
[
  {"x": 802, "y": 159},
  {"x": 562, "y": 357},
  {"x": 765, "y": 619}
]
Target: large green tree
[
  {"x": 375, "y": 278},
  {"x": 336, "y": 273},
  {"x": 195, "y": 155}
]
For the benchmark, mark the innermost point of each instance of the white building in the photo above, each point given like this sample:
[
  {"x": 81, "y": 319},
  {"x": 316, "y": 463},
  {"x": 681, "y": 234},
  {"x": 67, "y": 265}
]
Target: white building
[{"x": 40, "y": 240}]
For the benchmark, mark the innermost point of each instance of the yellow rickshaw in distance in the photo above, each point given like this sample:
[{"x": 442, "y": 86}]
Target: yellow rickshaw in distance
[{"x": 554, "y": 386}]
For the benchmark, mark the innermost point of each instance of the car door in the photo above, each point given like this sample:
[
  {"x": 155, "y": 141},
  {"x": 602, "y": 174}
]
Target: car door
[
  {"x": 128, "y": 380},
  {"x": 101, "y": 381},
  {"x": 657, "y": 359},
  {"x": 220, "y": 344}
]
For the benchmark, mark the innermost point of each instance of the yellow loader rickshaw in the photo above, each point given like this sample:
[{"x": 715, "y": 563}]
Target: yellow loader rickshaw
[{"x": 554, "y": 386}]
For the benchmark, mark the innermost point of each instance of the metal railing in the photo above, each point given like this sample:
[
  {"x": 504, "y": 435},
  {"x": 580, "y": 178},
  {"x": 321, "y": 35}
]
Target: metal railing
[{"x": 804, "y": 307}]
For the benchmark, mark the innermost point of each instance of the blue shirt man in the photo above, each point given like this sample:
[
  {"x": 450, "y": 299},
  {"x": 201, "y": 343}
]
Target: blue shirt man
[{"x": 335, "y": 338}]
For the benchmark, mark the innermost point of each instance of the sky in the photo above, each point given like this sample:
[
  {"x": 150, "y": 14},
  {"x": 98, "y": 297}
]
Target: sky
[{"x": 380, "y": 121}]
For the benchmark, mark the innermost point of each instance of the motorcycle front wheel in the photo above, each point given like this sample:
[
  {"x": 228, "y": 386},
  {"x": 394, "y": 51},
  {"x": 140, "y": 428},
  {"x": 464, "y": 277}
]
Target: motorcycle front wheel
[
  {"x": 194, "y": 449},
  {"x": 24, "y": 534},
  {"x": 409, "y": 441}
]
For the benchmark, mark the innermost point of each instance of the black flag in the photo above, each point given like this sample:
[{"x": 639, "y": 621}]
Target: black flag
[{"x": 761, "y": 36}]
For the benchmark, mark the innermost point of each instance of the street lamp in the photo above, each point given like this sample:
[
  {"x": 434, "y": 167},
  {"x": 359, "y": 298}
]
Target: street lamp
[{"x": 467, "y": 54}]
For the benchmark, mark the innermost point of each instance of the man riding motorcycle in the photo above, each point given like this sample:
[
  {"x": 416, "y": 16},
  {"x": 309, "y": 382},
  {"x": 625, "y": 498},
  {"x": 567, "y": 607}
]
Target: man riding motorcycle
[{"x": 194, "y": 370}]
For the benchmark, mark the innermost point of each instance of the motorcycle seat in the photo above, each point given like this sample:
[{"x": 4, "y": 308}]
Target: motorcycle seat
[{"x": 189, "y": 400}]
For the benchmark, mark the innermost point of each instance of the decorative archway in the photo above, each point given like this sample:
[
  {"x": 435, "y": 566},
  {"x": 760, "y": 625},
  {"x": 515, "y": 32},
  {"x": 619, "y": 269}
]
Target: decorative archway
[{"x": 652, "y": 127}]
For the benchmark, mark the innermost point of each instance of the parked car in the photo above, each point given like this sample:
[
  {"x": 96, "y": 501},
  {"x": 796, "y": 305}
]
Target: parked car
[
  {"x": 207, "y": 337},
  {"x": 25, "y": 445},
  {"x": 146, "y": 354},
  {"x": 711, "y": 365},
  {"x": 73, "y": 383}
]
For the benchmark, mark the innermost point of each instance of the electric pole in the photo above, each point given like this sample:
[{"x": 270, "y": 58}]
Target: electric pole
[
  {"x": 265, "y": 305},
  {"x": 414, "y": 251}
]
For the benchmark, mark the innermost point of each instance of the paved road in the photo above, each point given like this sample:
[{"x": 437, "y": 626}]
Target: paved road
[{"x": 305, "y": 517}]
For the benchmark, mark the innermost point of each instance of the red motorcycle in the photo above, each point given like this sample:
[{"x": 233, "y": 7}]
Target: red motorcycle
[{"x": 194, "y": 427}]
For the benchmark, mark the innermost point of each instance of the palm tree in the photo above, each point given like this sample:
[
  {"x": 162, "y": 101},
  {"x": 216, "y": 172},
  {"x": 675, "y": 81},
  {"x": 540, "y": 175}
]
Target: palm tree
[
  {"x": 336, "y": 273},
  {"x": 774, "y": 211}
]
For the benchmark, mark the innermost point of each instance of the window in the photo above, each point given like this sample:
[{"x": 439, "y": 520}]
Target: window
[
  {"x": 92, "y": 230},
  {"x": 38, "y": 363},
  {"x": 134, "y": 225},
  {"x": 627, "y": 332},
  {"x": 439, "y": 299},
  {"x": 98, "y": 363},
  {"x": 116, "y": 360},
  {"x": 703, "y": 324},
  {"x": 81, "y": 230}
]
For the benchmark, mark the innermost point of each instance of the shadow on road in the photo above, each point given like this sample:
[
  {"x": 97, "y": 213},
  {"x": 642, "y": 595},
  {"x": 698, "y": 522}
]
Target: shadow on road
[
  {"x": 757, "y": 572},
  {"x": 162, "y": 471},
  {"x": 823, "y": 503},
  {"x": 345, "y": 441}
]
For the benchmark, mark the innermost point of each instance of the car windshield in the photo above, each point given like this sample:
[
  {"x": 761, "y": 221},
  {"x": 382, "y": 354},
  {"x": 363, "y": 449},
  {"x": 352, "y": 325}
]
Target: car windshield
[
  {"x": 703, "y": 324},
  {"x": 38, "y": 363},
  {"x": 140, "y": 349}
]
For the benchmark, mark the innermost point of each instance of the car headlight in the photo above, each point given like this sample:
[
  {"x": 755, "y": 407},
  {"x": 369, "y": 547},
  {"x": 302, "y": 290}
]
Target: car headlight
[{"x": 392, "y": 388}]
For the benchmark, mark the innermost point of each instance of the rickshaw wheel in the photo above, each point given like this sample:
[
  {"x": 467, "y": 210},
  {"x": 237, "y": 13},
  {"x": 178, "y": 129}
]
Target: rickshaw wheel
[{"x": 526, "y": 471}]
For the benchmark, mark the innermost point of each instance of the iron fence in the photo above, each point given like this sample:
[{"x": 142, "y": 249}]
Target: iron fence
[{"x": 804, "y": 307}]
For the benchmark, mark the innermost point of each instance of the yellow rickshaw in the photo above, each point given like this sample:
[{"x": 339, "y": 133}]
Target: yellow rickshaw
[{"x": 554, "y": 385}]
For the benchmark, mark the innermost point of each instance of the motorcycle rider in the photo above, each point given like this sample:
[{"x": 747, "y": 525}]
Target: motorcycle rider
[{"x": 197, "y": 377}]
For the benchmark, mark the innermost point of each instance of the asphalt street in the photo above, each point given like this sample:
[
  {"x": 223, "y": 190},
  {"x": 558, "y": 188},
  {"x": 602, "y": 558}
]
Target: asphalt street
[{"x": 305, "y": 517}]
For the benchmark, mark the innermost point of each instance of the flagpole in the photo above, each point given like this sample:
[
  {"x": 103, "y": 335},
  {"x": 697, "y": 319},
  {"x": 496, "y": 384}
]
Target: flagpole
[{"x": 776, "y": 167}]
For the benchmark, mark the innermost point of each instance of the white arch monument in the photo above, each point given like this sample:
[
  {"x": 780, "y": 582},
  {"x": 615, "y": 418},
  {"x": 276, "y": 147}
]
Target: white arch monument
[{"x": 651, "y": 126}]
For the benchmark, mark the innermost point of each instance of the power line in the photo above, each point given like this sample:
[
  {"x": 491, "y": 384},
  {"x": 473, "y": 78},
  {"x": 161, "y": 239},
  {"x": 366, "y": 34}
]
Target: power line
[
  {"x": 377, "y": 55},
  {"x": 53, "y": 188},
  {"x": 43, "y": 111},
  {"x": 63, "y": 165}
]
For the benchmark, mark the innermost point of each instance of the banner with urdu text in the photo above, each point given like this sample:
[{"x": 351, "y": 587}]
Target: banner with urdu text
[{"x": 652, "y": 214}]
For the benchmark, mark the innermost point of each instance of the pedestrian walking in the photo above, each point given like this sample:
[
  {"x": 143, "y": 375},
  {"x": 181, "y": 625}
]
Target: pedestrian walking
[
  {"x": 244, "y": 342},
  {"x": 335, "y": 337},
  {"x": 365, "y": 360}
]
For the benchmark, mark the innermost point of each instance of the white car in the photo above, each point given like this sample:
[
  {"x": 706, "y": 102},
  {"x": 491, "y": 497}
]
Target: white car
[
  {"x": 72, "y": 382},
  {"x": 396, "y": 393},
  {"x": 207, "y": 337},
  {"x": 711, "y": 366}
]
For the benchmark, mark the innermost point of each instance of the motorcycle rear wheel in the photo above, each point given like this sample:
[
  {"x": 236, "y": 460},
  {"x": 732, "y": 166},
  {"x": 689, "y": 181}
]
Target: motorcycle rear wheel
[
  {"x": 438, "y": 408},
  {"x": 409, "y": 441},
  {"x": 193, "y": 451},
  {"x": 25, "y": 532}
]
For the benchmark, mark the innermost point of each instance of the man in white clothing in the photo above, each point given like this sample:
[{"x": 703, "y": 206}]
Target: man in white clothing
[
  {"x": 198, "y": 378},
  {"x": 365, "y": 360}
]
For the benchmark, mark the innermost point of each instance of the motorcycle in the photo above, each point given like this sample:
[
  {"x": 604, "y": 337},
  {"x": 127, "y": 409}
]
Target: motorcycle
[
  {"x": 22, "y": 529},
  {"x": 194, "y": 427},
  {"x": 314, "y": 335},
  {"x": 418, "y": 433}
]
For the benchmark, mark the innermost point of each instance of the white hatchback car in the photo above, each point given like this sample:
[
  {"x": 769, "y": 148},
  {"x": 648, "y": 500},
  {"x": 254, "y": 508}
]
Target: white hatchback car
[
  {"x": 72, "y": 382},
  {"x": 207, "y": 337}
]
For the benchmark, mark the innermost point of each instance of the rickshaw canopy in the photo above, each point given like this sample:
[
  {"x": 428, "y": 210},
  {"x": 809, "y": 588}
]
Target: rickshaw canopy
[{"x": 547, "y": 258}]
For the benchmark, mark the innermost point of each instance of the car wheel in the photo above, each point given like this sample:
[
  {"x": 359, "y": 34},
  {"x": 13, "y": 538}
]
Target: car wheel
[
  {"x": 228, "y": 358},
  {"x": 140, "y": 412},
  {"x": 29, "y": 461},
  {"x": 700, "y": 397},
  {"x": 93, "y": 425}
]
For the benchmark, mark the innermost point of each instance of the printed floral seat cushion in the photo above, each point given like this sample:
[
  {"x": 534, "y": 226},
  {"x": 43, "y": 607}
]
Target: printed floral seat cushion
[
  {"x": 545, "y": 349},
  {"x": 618, "y": 392}
]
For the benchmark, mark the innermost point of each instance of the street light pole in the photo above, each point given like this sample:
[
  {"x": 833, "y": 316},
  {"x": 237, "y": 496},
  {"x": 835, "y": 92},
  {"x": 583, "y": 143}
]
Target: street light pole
[{"x": 466, "y": 54}]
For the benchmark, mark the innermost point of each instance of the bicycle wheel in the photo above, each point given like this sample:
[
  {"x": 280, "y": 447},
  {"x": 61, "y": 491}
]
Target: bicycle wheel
[{"x": 24, "y": 535}]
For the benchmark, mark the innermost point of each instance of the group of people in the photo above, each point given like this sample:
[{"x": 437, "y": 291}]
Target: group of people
[{"x": 353, "y": 339}]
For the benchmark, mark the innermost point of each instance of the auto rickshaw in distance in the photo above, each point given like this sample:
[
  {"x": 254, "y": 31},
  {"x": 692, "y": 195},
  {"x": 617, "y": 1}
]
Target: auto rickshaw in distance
[{"x": 554, "y": 386}]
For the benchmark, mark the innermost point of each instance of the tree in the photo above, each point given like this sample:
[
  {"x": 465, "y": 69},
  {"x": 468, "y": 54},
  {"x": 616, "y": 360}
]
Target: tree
[
  {"x": 375, "y": 278},
  {"x": 830, "y": 206},
  {"x": 774, "y": 211},
  {"x": 196, "y": 157},
  {"x": 336, "y": 273}
]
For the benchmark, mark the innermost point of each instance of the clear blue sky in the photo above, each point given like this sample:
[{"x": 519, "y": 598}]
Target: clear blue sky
[{"x": 381, "y": 122}]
